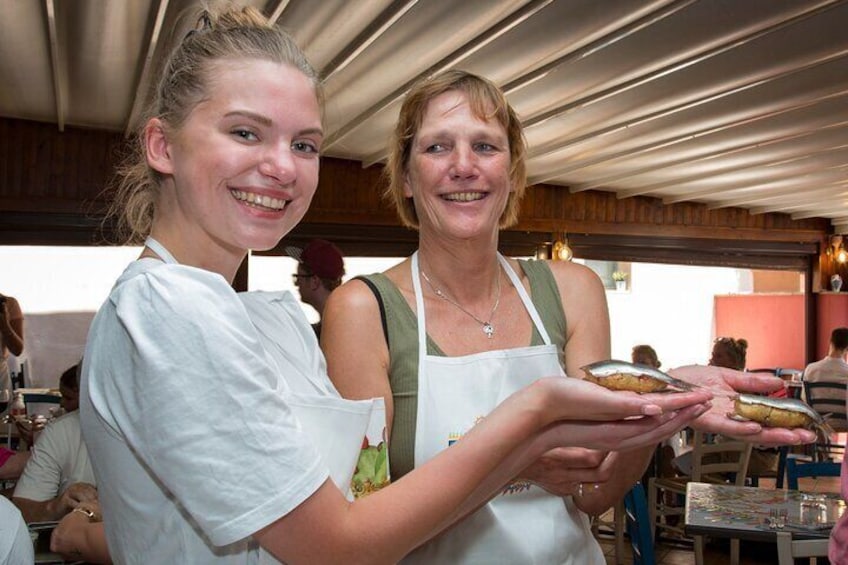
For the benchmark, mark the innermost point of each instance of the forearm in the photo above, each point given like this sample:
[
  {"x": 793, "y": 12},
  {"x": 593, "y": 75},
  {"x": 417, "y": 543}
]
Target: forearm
[
  {"x": 41, "y": 511},
  {"x": 12, "y": 331},
  {"x": 76, "y": 538},
  {"x": 413, "y": 509},
  {"x": 506, "y": 472},
  {"x": 628, "y": 468},
  {"x": 14, "y": 466}
]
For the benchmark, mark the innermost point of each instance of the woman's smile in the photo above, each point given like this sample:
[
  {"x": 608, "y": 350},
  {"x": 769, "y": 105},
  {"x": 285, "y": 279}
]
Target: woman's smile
[
  {"x": 465, "y": 196},
  {"x": 259, "y": 201}
]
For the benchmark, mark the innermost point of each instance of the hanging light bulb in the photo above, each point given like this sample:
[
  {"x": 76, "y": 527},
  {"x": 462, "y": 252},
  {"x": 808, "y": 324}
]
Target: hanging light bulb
[
  {"x": 561, "y": 251},
  {"x": 837, "y": 249}
]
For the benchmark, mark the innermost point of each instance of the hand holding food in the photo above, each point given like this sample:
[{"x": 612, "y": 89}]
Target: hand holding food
[
  {"x": 747, "y": 416},
  {"x": 776, "y": 412},
  {"x": 621, "y": 375}
]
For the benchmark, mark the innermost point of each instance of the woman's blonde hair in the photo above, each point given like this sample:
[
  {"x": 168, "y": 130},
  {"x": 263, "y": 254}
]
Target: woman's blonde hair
[
  {"x": 229, "y": 33},
  {"x": 487, "y": 101}
]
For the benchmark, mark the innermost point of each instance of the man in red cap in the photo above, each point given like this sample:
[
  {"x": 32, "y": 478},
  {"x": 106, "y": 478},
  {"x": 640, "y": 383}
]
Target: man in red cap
[{"x": 320, "y": 268}]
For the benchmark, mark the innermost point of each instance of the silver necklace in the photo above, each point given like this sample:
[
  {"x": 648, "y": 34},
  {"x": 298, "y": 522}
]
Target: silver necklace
[{"x": 488, "y": 328}]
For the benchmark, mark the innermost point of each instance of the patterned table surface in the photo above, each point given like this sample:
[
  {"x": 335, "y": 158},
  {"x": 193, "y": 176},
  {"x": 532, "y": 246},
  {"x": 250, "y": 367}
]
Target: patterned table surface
[{"x": 744, "y": 512}]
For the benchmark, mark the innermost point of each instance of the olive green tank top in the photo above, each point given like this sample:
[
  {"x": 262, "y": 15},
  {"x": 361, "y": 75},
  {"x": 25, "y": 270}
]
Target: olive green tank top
[{"x": 401, "y": 327}]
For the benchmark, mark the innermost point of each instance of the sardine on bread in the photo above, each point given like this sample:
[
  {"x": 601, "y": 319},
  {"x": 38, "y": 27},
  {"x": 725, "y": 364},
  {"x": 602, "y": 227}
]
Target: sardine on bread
[{"x": 621, "y": 375}]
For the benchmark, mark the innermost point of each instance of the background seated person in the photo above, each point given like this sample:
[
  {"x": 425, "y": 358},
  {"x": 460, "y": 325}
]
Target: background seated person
[
  {"x": 79, "y": 536},
  {"x": 645, "y": 355},
  {"x": 732, "y": 353},
  {"x": 729, "y": 352},
  {"x": 59, "y": 475},
  {"x": 833, "y": 368}
]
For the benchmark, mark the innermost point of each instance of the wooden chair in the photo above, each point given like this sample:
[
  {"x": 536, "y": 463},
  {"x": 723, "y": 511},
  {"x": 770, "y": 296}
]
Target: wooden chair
[
  {"x": 795, "y": 469},
  {"x": 828, "y": 399},
  {"x": 720, "y": 462},
  {"x": 788, "y": 549},
  {"x": 639, "y": 528}
]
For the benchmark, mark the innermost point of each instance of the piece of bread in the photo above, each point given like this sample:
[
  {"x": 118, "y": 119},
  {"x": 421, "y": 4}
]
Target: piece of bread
[
  {"x": 772, "y": 417},
  {"x": 634, "y": 383}
]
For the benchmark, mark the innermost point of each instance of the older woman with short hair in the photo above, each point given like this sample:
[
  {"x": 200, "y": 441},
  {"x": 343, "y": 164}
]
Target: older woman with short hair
[{"x": 450, "y": 332}]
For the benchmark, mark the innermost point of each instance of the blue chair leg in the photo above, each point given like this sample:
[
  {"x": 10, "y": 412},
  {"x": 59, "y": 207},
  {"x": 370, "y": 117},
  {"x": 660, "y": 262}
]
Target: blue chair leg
[{"x": 639, "y": 525}]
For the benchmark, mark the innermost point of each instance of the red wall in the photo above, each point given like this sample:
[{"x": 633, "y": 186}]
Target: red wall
[
  {"x": 773, "y": 324},
  {"x": 833, "y": 313}
]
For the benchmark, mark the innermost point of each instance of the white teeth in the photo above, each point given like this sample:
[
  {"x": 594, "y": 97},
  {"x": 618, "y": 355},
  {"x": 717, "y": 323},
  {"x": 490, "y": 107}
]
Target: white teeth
[
  {"x": 258, "y": 200},
  {"x": 464, "y": 196}
]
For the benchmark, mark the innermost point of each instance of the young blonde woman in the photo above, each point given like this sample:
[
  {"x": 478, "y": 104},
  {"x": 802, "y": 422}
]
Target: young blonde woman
[
  {"x": 198, "y": 455},
  {"x": 464, "y": 328}
]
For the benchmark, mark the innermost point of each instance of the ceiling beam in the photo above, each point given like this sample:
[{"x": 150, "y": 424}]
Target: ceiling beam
[
  {"x": 563, "y": 143},
  {"x": 275, "y": 9},
  {"x": 709, "y": 53},
  {"x": 147, "y": 67},
  {"x": 839, "y": 129},
  {"x": 378, "y": 26},
  {"x": 802, "y": 181},
  {"x": 466, "y": 50},
  {"x": 56, "y": 65},
  {"x": 664, "y": 11},
  {"x": 823, "y": 212},
  {"x": 777, "y": 196}
]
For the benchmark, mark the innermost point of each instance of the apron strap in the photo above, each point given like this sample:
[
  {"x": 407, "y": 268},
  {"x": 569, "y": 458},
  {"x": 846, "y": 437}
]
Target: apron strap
[
  {"x": 159, "y": 250},
  {"x": 419, "y": 311},
  {"x": 525, "y": 298}
]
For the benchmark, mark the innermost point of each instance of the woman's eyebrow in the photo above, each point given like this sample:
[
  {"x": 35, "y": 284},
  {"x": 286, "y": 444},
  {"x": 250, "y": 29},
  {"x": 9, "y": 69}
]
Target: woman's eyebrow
[
  {"x": 250, "y": 115},
  {"x": 268, "y": 122}
]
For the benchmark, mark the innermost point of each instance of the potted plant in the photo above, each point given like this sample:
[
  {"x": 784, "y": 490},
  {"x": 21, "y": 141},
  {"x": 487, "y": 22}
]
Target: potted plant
[{"x": 620, "y": 278}]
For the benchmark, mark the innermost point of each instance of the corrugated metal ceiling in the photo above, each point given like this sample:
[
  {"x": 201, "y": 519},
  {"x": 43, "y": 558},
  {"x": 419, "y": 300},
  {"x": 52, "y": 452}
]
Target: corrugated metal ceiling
[{"x": 729, "y": 102}]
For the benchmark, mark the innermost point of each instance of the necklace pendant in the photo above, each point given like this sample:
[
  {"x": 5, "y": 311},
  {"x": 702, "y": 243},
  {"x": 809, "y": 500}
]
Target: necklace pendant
[{"x": 488, "y": 330}]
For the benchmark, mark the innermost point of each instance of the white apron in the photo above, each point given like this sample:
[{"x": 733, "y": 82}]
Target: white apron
[
  {"x": 336, "y": 426},
  {"x": 523, "y": 524}
]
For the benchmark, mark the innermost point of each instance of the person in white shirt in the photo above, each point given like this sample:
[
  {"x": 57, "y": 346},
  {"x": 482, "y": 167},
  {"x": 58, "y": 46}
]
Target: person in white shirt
[
  {"x": 59, "y": 474},
  {"x": 832, "y": 369}
]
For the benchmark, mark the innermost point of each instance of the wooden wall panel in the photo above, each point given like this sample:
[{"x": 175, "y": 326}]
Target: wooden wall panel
[
  {"x": 48, "y": 176},
  {"x": 45, "y": 171},
  {"x": 554, "y": 209}
]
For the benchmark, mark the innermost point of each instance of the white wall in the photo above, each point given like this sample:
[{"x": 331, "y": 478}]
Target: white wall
[
  {"x": 60, "y": 289},
  {"x": 670, "y": 307}
]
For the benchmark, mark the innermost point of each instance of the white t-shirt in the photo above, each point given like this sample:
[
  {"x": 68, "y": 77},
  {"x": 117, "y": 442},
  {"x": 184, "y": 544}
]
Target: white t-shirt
[
  {"x": 289, "y": 339},
  {"x": 59, "y": 459},
  {"x": 827, "y": 370},
  {"x": 193, "y": 446},
  {"x": 15, "y": 543}
]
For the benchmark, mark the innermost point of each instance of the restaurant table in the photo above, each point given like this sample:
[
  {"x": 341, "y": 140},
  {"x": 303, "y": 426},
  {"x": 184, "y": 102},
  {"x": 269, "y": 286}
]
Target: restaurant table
[{"x": 728, "y": 511}]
